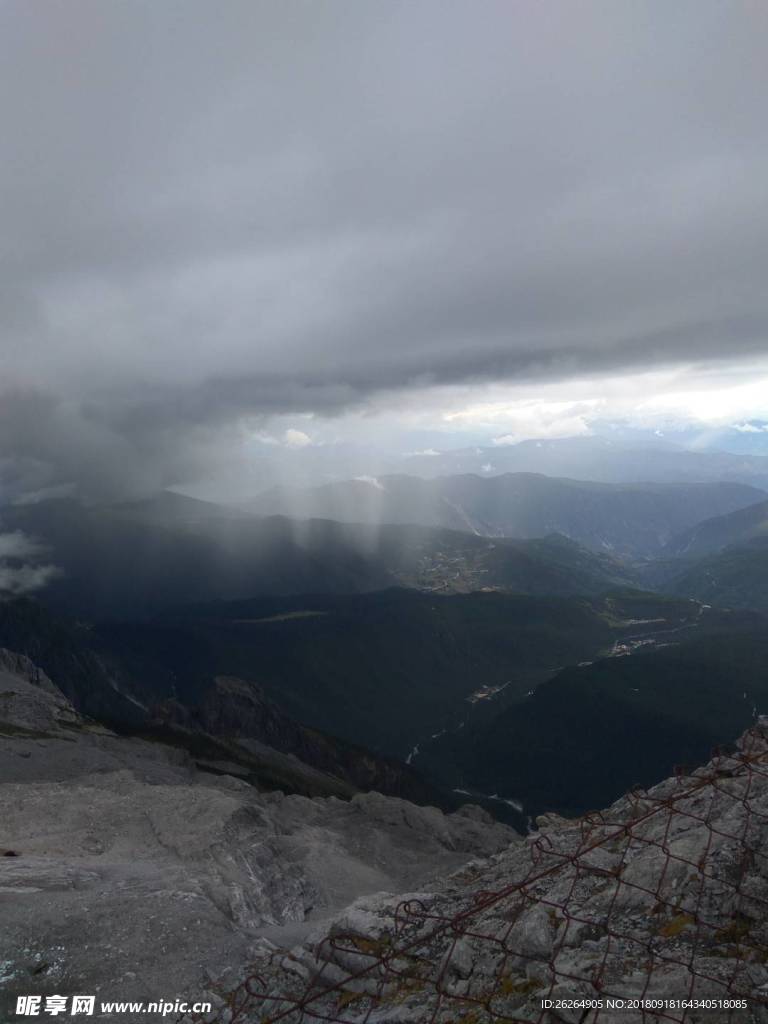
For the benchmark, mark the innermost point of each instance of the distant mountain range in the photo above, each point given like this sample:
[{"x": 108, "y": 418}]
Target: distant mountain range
[
  {"x": 139, "y": 558},
  {"x": 523, "y": 533},
  {"x": 618, "y": 454},
  {"x": 597, "y": 458},
  {"x": 635, "y": 520}
]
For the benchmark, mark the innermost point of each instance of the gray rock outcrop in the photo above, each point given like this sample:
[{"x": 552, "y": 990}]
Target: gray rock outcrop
[
  {"x": 29, "y": 701},
  {"x": 662, "y": 899}
]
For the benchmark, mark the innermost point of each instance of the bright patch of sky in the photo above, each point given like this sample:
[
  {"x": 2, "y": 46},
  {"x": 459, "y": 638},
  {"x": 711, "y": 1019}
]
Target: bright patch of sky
[{"x": 659, "y": 401}]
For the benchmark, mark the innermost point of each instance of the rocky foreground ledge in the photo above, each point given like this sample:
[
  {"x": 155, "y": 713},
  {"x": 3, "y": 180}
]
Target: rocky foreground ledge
[
  {"x": 127, "y": 872},
  {"x": 660, "y": 901}
]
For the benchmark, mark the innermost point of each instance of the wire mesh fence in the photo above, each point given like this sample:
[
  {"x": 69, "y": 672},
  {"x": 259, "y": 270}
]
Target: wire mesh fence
[{"x": 656, "y": 909}]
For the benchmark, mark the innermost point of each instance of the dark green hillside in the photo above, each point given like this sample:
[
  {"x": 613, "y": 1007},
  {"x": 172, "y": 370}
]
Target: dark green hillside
[
  {"x": 591, "y": 732},
  {"x": 214, "y": 727},
  {"x": 453, "y": 562},
  {"x": 554, "y": 565},
  {"x": 380, "y": 668},
  {"x": 736, "y": 577},
  {"x": 120, "y": 561},
  {"x": 736, "y": 528},
  {"x": 385, "y": 669}
]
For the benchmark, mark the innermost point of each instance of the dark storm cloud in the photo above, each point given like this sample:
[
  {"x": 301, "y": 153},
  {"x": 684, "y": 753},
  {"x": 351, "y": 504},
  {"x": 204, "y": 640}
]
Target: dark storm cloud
[{"x": 217, "y": 210}]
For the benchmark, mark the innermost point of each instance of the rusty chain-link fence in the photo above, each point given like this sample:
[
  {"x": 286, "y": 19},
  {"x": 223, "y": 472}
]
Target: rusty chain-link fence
[{"x": 656, "y": 909}]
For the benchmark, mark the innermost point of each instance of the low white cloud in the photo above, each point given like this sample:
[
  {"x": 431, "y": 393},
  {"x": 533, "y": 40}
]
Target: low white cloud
[
  {"x": 296, "y": 438},
  {"x": 522, "y": 418},
  {"x": 751, "y": 428},
  {"x": 26, "y": 579},
  {"x": 290, "y": 438},
  {"x": 18, "y": 545},
  {"x": 372, "y": 480},
  {"x": 64, "y": 490},
  {"x": 19, "y": 571}
]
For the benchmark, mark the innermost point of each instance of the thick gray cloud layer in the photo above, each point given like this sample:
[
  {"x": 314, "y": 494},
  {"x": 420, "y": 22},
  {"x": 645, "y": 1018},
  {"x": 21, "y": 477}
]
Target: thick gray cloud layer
[{"x": 221, "y": 209}]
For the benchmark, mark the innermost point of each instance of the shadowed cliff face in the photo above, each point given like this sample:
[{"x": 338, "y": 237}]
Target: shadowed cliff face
[{"x": 236, "y": 710}]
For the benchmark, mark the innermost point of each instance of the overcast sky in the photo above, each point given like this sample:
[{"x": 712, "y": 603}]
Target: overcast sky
[{"x": 229, "y": 219}]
